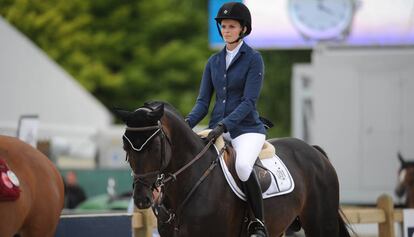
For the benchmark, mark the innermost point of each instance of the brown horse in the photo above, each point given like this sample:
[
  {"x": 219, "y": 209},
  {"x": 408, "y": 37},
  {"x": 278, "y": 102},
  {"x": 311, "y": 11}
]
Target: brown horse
[
  {"x": 195, "y": 199},
  {"x": 406, "y": 181},
  {"x": 36, "y": 212}
]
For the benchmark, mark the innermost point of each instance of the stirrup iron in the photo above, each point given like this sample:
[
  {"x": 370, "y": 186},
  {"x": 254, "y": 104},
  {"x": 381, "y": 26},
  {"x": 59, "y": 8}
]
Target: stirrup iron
[{"x": 257, "y": 228}]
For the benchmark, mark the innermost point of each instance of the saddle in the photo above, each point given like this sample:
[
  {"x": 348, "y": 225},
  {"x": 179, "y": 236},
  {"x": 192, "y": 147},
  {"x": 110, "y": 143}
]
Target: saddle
[
  {"x": 264, "y": 176},
  {"x": 9, "y": 183}
]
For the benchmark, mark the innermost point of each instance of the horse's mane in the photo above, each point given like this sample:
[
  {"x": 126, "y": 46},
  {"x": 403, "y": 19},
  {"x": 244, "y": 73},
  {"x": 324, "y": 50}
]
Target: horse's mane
[{"x": 172, "y": 113}]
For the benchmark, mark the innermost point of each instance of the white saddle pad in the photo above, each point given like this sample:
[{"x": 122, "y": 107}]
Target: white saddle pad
[{"x": 282, "y": 181}]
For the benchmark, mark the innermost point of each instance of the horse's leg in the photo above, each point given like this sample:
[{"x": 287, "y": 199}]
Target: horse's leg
[
  {"x": 7, "y": 230},
  {"x": 45, "y": 212},
  {"x": 320, "y": 214},
  {"x": 44, "y": 218},
  {"x": 47, "y": 203},
  {"x": 39, "y": 227},
  {"x": 13, "y": 213},
  {"x": 280, "y": 213}
]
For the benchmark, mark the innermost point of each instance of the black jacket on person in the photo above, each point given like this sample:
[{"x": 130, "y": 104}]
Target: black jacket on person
[{"x": 74, "y": 195}]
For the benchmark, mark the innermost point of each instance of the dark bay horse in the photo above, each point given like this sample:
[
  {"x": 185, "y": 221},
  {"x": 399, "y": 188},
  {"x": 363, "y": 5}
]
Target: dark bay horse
[
  {"x": 37, "y": 211},
  {"x": 162, "y": 151},
  {"x": 405, "y": 184}
]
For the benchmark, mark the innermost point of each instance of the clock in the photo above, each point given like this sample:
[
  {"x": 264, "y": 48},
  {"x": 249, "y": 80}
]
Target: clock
[{"x": 322, "y": 19}]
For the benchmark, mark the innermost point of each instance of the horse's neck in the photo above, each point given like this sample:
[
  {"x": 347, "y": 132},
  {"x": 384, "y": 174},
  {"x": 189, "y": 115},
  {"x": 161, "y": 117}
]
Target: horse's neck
[
  {"x": 185, "y": 149},
  {"x": 186, "y": 145},
  {"x": 185, "y": 152},
  {"x": 203, "y": 202}
]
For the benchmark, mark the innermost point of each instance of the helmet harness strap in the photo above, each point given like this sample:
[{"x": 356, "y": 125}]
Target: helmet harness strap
[{"x": 241, "y": 36}]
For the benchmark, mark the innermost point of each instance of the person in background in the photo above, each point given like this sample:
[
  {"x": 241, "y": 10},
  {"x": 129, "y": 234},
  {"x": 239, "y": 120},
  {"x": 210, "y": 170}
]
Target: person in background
[
  {"x": 236, "y": 74},
  {"x": 74, "y": 193}
]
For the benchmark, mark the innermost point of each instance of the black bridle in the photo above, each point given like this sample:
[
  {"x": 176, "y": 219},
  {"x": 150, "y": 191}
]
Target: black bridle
[
  {"x": 141, "y": 178},
  {"x": 162, "y": 178}
]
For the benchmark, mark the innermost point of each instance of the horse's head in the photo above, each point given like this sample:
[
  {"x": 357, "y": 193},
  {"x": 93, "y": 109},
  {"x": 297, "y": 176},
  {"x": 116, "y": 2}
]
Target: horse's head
[
  {"x": 147, "y": 147},
  {"x": 406, "y": 177}
]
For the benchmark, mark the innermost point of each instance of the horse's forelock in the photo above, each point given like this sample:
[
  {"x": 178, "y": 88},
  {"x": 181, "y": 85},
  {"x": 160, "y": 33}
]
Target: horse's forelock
[
  {"x": 173, "y": 116},
  {"x": 139, "y": 117}
]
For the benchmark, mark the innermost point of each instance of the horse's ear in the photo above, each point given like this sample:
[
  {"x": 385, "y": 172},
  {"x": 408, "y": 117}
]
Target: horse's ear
[
  {"x": 122, "y": 114},
  {"x": 400, "y": 157},
  {"x": 157, "y": 112}
]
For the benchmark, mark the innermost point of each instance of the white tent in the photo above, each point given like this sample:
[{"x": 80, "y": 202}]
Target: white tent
[
  {"x": 32, "y": 83},
  {"x": 75, "y": 123}
]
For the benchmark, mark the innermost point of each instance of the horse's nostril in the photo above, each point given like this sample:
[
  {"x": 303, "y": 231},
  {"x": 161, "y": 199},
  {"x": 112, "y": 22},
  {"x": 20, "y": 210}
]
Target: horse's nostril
[
  {"x": 147, "y": 202},
  {"x": 143, "y": 203}
]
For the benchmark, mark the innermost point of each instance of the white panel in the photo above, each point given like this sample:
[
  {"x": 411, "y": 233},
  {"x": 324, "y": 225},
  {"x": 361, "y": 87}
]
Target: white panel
[
  {"x": 302, "y": 102},
  {"x": 407, "y": 147},
  {"x": 364, "y": 113},
  {"x": 380, "y": 123},
  {"x": 336, "y": 113}
]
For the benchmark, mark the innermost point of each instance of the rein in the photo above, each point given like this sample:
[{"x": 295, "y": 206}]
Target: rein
[
  {"x": 196, "y": 158},
  {"x": 161, "y": 180},
  {"x": 161, "y": 211}
]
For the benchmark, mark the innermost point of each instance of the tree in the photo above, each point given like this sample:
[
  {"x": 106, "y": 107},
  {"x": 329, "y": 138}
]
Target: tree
[{"x": 128, "y": 52}]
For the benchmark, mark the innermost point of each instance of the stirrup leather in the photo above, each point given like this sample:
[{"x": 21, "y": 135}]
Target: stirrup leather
[{"x": 257, "y": 228}]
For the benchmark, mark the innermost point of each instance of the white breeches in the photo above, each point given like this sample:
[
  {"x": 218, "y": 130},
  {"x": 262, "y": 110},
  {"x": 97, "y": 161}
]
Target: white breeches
[{"x": 248, "y": 147}]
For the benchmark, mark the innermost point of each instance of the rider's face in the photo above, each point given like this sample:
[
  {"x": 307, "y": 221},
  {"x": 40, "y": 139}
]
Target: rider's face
[{"x": 230, "y": 29}]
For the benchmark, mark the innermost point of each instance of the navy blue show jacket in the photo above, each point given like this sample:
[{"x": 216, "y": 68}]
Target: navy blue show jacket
[{"x": 237, "y": 90}]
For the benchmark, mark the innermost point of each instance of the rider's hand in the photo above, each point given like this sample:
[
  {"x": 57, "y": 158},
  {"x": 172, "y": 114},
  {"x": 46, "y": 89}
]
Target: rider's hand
[
  {"x": 216, "y": 132},
  {"x": 156, "y": 194}
]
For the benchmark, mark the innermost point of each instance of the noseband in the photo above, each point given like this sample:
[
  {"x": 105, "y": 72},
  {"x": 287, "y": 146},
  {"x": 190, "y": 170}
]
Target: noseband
[{"x": 158, "y": 127}]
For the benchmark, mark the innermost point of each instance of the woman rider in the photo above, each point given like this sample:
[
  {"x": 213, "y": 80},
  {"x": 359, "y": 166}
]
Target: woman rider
[{"x": 235, "y": 74}]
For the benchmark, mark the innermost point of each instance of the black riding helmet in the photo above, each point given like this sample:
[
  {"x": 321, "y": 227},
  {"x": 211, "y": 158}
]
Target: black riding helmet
[{"x": 235, "y": 11}]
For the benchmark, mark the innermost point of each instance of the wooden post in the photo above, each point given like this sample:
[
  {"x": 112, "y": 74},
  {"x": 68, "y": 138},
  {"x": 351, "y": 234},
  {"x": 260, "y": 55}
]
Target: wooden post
[
  {"x": 386, "y": 228},
  {"x": 143, "y": 223}
]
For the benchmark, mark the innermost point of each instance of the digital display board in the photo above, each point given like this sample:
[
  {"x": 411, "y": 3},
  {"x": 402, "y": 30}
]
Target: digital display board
[{"x": 301, "y": 24}]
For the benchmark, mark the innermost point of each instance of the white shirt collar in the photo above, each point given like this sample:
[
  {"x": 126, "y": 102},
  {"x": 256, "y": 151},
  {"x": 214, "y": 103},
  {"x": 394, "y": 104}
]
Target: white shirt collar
[
  {"x": 235, "y": 50},
  {"x": 231, "y": 54}
]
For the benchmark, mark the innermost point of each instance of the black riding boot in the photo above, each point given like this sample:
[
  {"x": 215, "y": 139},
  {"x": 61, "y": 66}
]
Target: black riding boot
[{"x": 253, "y": 192}]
